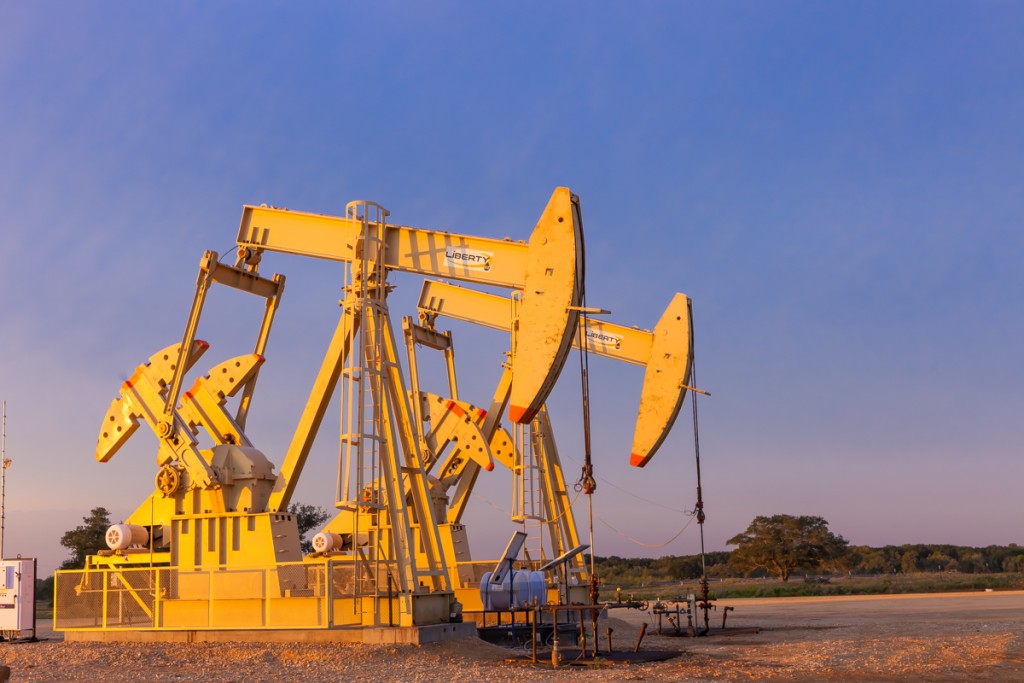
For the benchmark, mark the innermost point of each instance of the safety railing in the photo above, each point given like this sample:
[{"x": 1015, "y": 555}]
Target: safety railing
[
  {"x": 286, "y": 596},
  {"x": 473, "y": 572}
]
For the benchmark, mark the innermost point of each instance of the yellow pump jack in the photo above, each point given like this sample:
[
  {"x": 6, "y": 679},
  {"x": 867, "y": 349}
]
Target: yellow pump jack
[
  {"x": 213, "y": 547},
  {"x": 665, "y": 353}
]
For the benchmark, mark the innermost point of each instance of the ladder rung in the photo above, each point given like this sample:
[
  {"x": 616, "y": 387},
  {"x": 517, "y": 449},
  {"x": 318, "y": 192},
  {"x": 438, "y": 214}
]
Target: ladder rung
[
  {"x": 353, "y": 505},
  {"x": 355, "y": 437},
  {"x": 430, "y": 572}
]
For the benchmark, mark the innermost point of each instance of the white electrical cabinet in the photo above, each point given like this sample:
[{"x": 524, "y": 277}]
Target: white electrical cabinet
[{"x": 17, "y": 594}]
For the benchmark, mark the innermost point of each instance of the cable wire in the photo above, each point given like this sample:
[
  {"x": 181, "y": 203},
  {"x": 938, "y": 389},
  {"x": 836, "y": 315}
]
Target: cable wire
[
  {"x": 636, "y": 495},
  {"x": 648, "y": 545}
]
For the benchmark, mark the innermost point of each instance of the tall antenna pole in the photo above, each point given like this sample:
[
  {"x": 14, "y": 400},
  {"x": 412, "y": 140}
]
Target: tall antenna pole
[{"x": 3, "y": 477}]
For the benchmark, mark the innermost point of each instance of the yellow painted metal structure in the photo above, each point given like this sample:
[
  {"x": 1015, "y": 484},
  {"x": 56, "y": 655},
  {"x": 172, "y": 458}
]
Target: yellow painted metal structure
[
  {"x": 213, "y": 546},
  {"x": 294, "y": 595},
  {"x": 218, "y": 548},
  {"x": 665, "y": 353}
]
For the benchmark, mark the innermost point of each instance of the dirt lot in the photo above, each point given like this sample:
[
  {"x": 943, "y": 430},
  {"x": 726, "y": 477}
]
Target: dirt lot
[{"x": 948, "y": 637}]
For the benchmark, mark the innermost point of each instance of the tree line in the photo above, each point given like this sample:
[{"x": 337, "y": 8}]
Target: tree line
[
  {"x": 784, "y": 545},
  {"x": 858, "y": 560}
]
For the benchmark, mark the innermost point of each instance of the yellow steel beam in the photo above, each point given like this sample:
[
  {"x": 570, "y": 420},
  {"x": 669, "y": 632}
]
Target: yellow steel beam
[
  {"x": 482, "y": 260},
  {"x": 606, "y": 339},
  {"x": 272, "y": 303},
  {"x": 213, "y": 271},
  {"x": 314, "y": 411},
  {"x": 398, "y": 414},
  {"x": 666, "y": 353},
  {"x": 546, "y": 270},
  {"x": 557, "y": 506}
]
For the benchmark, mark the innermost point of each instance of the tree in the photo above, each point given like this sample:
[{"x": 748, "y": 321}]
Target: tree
[
  {"x": 781, "y": 543},
  {"x": 44, "y": 589},
  {"x": 1013, "y": 563},
  {"x": 938, "y": 561},
  {"x": 680, "y": 568},
  {"x": 86, "y": 539},
  {"x": 868, "y": 560},
  {"x": 908, "y": 562},
  {"x": 307, "y": 517}
]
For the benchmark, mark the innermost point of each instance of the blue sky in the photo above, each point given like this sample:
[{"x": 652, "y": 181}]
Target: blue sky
[{"x": 836, "y": 185}]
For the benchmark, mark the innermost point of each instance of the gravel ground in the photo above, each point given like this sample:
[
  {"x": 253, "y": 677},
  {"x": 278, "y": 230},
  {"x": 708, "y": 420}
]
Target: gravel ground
[{"x": 953, "y": 637}]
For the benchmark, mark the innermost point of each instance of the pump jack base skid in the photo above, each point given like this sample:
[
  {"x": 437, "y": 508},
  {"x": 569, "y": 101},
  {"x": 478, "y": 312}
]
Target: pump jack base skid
[{"x": 382, "y": 635}]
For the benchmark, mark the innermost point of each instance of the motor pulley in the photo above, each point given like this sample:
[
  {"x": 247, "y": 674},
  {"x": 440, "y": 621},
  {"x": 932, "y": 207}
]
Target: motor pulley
[{"x": 168, "y": 480}]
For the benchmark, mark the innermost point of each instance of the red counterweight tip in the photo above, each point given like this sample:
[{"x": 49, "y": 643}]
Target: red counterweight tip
[
  {"x": 637, "y": 460},
  {"x": 520, "y": 415}
]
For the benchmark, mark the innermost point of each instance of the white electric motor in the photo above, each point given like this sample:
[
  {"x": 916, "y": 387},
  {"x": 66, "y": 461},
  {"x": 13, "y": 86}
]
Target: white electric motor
[
  {"x": 124, "y": 536},
  {"x": 325, "y": 542}
]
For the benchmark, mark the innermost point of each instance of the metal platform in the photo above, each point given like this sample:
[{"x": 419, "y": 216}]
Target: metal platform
[{"x": 411, "y": 635}]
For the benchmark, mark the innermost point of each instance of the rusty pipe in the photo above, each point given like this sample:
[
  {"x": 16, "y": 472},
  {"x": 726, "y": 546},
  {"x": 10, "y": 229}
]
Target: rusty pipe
[{"x": 643, "y": 630}]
